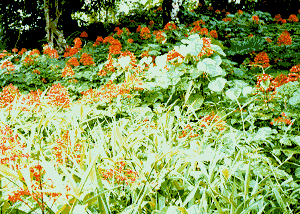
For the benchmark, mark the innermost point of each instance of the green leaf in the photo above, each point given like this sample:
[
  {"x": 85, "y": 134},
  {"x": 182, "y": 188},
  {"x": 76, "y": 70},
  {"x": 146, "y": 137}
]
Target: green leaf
[
  {"x": 217, "y": 85},
  {"x": 233, "y": 93}
]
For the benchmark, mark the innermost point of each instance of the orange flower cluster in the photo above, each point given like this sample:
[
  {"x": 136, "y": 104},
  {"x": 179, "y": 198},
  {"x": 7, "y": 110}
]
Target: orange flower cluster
[
  {"x": 199, "y": 22},
  {"x": 130, "y": 41},
  {"x": 108, "y": 66},
  {"x": 255, "y": 19},
  {"x": 204, "y": 31},
  {"x": 226, "y": 19},
  {"x": 206, "y": 49},
  {"x": 293, "y": 18},
  {"x": 278, "y": 19},
  {"x": 173, "y": 55},
  {"x": 279, "y": 80},
  {"x": 268, "y": 40},
  {"x": 78, "y": 43},
  {"x": 72, "y": 51},
  {"x": 240, "y": 12},
  {"x": 170, "y": 26},
  {"x": 115, "y": 45},
  {"x": 51, "y": 52},
  {"x": 184, "y": 132},
  {"x": 120, "y": 174},
  {"x": 119, "y": 31},
  {"x": 218, "y": 11},
  {"x": 159, "y": 36},
  {"x": 145, "y": 33},
  {"x": 8, "y": 95},
  {"x": 86, "y": 59},
  {"x": 98, "y": 40},
  {"x": 262, "y": 59},
  {"x": 106, "y": 93},
  {"x": 64, "y": 151},
  {"x": 284, "y": 38},
  {"x": 67, "y": 71},
  {"x": 151, "y": 23},
  {"x": 73, "y": 61},
  {"x": 39, "y": 183},
  {"x": 205, "y": 121},
  {"x": 195, "y": 29},
  {"x": 58, "y": 96},
  {"x": 83, "y": 34},
  {"x": 36, "y": 71},
  {"x": 138, "y": 28},
  {"x": 23, "y": 50},
  {"x": 11, "y": 148},
  {"x": 145, "y": 54},
  {"x": 30, "y": 60},
  {"x": 4, "y": 54},
  {"x": 32, "y": 99},
  {"x": 281, "y": 120},
  {"x": 7, "y": 64},
  {"x": 133, "y": 60},
  {"x": 213, "y": 33}
]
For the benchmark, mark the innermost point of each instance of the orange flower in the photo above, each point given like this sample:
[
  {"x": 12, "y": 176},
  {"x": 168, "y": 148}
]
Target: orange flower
[
  {"x": 130, "y": 40},
  {"x": 8, "y": 95},
  {"x": 73, "y": 61},
  {"x": 293, "y": 18},
  {"x": 284, "y": 38},
  {"x": 204, "y": 31},
  {"x": 277, "y": 18},
  {"x": 262, "y": 58},
  {"x": 77, "y": 42},
  {"x": 255, "y": 18},
  {"x": 58, "y": 96},
  {"x": 295, "y": 69},
  {"x": 268, "y": 40},
  {"x": 240, "y": 12},
  {"x": 68, "y": 71},
  {"x": 83, "y": 34},
  {"x": 86, "y": 59},
  {"x": 151, "y": 23},
  {"x": 213, "y": 33},
  {"x": 145, "y": 33},
  {"x": 170, "y": 26},
  {"x": 159, "y": 36},
  {"x": 51, "y": 52},
  {"x": 15, "y": 50}
]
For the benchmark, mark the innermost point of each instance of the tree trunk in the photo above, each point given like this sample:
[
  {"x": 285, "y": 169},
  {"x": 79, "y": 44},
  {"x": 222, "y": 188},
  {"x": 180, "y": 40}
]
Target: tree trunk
[{"x": 51, "y": 26}]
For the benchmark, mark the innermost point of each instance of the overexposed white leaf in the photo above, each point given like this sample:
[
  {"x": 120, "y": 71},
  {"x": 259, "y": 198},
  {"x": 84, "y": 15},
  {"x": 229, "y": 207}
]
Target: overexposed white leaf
[{"x": 217, "y": 85}]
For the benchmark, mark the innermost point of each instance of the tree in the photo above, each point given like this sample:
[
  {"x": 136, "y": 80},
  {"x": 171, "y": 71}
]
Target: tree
[{"x": 54, "y": 14}]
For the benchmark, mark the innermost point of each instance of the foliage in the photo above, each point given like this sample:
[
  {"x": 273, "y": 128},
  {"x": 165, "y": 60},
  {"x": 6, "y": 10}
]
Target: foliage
[{"x": 155, "y": 120}]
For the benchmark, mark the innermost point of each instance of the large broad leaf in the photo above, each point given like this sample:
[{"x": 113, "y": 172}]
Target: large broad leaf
[
  {"x": 163, "y": 81},
  {"x": 217, "y": 49},
  {"x": 295, "y": 99},
  {"x": 217, "y": 85},
  {"x": 182, "y": 49},
  {"x": 212, "y": 68},
  {"x": 233, "y": 93},
  {"x": 161, "y": 61}
]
